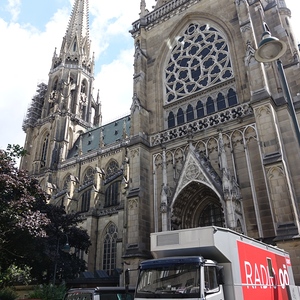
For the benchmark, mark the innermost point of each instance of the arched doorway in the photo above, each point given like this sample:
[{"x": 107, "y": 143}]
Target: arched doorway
[{"x": 197, "y": 205}]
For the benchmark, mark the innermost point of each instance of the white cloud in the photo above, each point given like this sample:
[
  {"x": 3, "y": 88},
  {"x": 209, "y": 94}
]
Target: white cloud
[
  {"x": 115, "y": 81},
  {"x": 13, "y": 7},
  {"x": 26, "y": 61}
]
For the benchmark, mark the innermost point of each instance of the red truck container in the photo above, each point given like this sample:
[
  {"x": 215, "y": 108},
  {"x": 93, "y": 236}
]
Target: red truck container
[{"x": 214, "y": 263}]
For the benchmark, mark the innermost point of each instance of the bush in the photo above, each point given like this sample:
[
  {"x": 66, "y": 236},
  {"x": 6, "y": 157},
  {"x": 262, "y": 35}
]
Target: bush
[
  {"x": 48, "y": 292},
  {"x": 8, "y": 294}
]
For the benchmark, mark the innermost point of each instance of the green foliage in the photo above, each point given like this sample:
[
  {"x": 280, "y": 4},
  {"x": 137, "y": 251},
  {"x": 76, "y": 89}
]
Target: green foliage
[
  {"x": 14, "y": 274},
  {"x": 15, "y": 151},
  {"x": 8, "y": 294},
  {"x": 21, "y": 219},
  {"x": 33, "y": 232},
  {"x": 48, "y": 254},
  {"x": 48, "y": 292}
]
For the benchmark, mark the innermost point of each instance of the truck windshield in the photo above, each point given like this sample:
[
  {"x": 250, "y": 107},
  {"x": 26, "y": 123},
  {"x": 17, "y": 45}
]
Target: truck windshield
[{"x": 171, "y": 281}]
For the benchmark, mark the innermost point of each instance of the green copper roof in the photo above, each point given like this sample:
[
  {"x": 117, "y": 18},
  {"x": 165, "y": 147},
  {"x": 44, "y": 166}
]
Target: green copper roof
[{"x": 111, "y": 133}]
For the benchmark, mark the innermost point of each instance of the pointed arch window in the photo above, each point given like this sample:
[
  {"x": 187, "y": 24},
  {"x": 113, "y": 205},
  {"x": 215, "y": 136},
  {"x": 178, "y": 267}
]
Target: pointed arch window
[
  {"x": 75, "y": 46},
  {"x": 112, "y": 194},
  {"x": 110, "y": 249},
  {"x": 44, "y": 151},
  {"x": 212, "y": 215},
  {"x": 55, "y": 85},
  {"x": 221, "y": 104},
  {"x": 210, "y": 106},
  {"x": 190, "y": 113},
  {"x": 66, "y": 181},
  {"x": 232, "y": 99},
  {"x": 171, "y": 120},
  {"x": 200, "y": 110},
  {"x": 112, "y": 168},
  {"x": 180, "y": 116},
  {"x": 88, "y": 176},
  {"x": 86, "y": 201}
]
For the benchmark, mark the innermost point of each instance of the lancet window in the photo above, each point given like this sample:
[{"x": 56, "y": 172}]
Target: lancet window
[
  {"x": 112, "y": 194},
  {"x": 86, "y": 201},
  {"x": 44, "y": 151},
  {"x": 202, "y": 108},
  {"x": 110, "y": 249}
]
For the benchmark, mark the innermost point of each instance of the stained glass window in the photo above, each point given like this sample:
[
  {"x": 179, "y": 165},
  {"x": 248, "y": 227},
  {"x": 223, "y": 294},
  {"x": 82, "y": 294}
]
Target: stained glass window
[
  {"x": 171, "y": 120},
  {"x": 232, "y": 99},
  {"x": 190, "y": 113},
  {"x": 212, "y": 215},
  {"x": 86, "y": 201},
  {"x": 200, "y": 58},
  {"x": 112, "y": 168},
  {"x": 110, "y": 249},
  {"x": 112, "y": 194},
  {"x": 180, "y": 116}
]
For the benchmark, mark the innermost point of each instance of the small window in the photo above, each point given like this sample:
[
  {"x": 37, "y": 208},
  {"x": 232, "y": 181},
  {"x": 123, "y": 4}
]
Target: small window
[
  {"x": 221, "y": 104},
  {"x": 210, "y": 106},
  {"x": 190, "y": 113},
  {"x": 112, "y": 168},
  {"x": 232, "y": 99},
  {"x": 171, "y": 120},
  {"x": 180, "y": 117},
  {"x": 200, "y": 110}
]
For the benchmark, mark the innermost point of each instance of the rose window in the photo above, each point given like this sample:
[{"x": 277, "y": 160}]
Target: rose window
[{"x": 200, "y": 58}]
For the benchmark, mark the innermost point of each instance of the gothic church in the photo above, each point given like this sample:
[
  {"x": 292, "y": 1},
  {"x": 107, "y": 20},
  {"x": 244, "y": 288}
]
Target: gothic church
[{"x": 210, "y": 138}]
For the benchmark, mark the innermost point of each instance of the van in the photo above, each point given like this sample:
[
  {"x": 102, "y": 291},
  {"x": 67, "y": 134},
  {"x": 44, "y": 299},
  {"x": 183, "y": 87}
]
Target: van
[{"x": 100, "y": 293}]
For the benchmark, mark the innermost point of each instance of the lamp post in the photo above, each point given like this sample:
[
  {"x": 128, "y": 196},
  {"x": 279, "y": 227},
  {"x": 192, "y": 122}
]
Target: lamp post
[
  {"x": 270, "y": 49},
  {"x": 66, "y": 248}
]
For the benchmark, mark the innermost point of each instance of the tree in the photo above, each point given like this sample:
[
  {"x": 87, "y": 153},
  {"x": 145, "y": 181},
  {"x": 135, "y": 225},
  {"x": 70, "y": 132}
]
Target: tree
[
  {"x": 20, "y": 219},
  {"x": 50, "y": 262},
  {"x": 32, "y": 232}
]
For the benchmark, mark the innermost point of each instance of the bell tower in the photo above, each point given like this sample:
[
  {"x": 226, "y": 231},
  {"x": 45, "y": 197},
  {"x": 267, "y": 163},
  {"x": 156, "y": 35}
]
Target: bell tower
[{"x": 65, "y": 107}]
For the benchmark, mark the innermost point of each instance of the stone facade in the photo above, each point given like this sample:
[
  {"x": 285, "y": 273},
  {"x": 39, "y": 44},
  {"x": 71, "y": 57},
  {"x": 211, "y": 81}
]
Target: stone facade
[{"x": 209, "y": 141}]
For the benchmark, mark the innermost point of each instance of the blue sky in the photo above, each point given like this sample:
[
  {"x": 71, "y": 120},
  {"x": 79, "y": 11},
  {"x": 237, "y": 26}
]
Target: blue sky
[{"x": 31, "y": 29}]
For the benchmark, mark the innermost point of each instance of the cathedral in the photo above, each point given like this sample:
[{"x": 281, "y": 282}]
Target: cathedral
[{"x": 211, "y": 137}]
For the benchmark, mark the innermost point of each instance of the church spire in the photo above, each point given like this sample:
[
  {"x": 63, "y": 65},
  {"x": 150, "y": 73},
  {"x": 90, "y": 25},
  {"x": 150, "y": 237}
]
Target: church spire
[{"x": 77, "y": 38}]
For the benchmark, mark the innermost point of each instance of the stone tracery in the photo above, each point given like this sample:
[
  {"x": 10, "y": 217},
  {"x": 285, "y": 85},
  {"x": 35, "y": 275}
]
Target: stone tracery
[{"x": 199, "y": 59}]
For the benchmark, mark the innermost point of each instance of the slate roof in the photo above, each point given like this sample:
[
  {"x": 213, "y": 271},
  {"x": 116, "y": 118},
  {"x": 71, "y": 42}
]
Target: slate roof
[{"x": 112, "y": 133}]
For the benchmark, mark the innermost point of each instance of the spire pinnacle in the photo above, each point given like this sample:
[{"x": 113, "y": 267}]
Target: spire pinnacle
[
  {"x": 77, "y": 40},
  {"x": 143, "y": 8}
]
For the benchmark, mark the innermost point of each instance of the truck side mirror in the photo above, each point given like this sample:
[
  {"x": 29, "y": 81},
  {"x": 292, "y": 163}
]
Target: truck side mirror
[{"x": 220, "y": 274}]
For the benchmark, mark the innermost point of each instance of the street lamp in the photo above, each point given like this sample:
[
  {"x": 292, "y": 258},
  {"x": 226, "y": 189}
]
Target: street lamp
[
  {"x": 270, "y": 49},
  {"x": 66, "y": 248}
]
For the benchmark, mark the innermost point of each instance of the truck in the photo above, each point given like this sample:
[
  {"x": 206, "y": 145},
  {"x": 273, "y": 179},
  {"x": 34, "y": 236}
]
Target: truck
[{"x": 214, "y": 263}]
